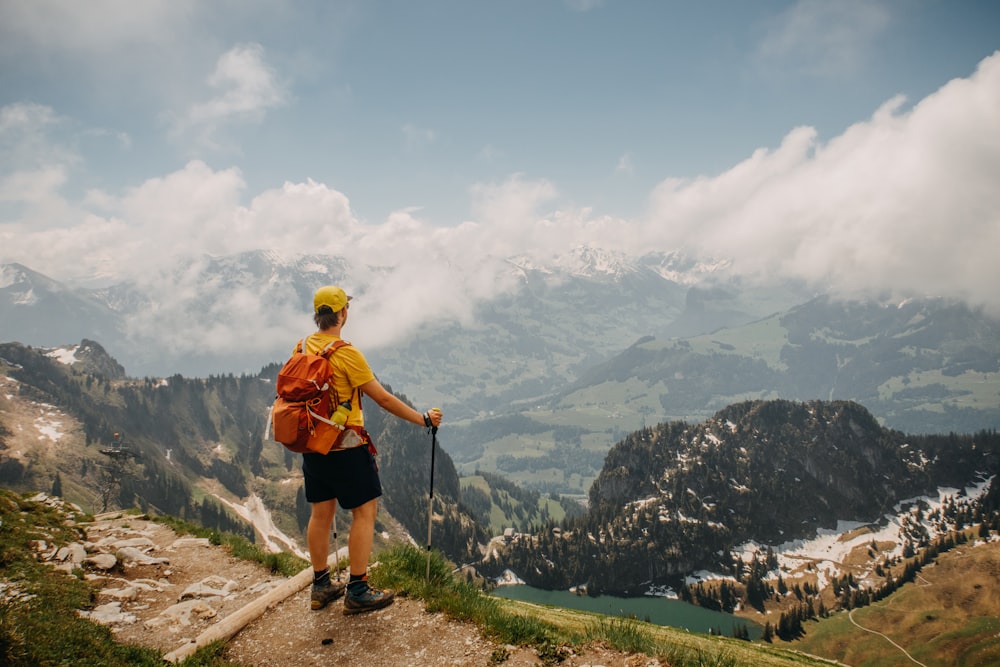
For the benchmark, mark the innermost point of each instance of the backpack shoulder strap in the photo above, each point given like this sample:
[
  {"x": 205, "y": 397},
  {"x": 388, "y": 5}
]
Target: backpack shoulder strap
[
  {"x": 333, "y": 347},
  {"x": 326, "y": 351}
]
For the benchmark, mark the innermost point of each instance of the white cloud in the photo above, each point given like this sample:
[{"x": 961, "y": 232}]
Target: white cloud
[
  {"x": 25, "y": 118},
  {"x": 115, "y": 53},
  {"x": 511, "y": 220},
  {"x": 35, "y": 186},
  {"x": 246, "y": 85},
  {"x": 96, "y": 26},
  {"x": 27, "y": 138},
  {"x": 906, "y": 201},
  {"x": 37, "y": 157},
  {"x": 819, "y": 37},
  {"x": 511, "y": 206},
  {"x": 127, "y": 60},
  {"x": 243, "y": 86}
]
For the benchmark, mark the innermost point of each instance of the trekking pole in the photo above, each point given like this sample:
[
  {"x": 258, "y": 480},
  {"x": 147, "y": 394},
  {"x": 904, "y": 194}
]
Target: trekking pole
[
  {"x": 336, "y": 543},
  {"x": 430, "y": 501}
]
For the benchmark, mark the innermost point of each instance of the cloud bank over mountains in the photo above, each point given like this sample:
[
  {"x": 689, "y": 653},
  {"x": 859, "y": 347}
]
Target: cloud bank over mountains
[{"x": 903, "y": 203}]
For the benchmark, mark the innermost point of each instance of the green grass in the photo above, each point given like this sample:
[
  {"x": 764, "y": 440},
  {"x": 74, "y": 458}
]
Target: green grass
[
  {"x": 624, "y": 634},
  {"x": 950, "y": 616},
  {"x": 551, "y": 630},
  {"x": 763, "y": 339},
  {"x": 404, "y": 568},
  {"x": 970, "y": 389},
  {"x": 285, "y": 564}
]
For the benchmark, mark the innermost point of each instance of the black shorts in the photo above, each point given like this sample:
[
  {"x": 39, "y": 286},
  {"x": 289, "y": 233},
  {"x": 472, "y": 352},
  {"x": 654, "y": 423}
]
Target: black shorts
[{"x": 349, "y": 475}]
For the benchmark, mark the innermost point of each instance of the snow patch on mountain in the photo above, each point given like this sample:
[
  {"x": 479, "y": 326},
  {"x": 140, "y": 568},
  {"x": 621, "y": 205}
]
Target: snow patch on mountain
[
  {"x": 830, "y": 548},
  {"x": 580, "y": 262},
  {"x": 26, "y": 298},
  {"x": 677, "y": 267},
  {"x": 254, "y": 512},
  {"x": 64, "y": 355},
  {"x": 48, "y": 428}
]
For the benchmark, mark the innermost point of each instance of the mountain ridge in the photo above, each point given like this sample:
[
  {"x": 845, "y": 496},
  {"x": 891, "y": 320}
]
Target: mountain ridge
[
  {"x": 191, "y": 439},
  {"x": 677, "y": 497},
  {"x": 580, "y": 363},
  {"x": 272, "y": 291}
]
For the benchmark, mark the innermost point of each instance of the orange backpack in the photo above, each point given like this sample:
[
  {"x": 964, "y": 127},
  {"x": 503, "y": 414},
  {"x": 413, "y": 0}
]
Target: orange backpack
[{"x": 302, "y": 408}]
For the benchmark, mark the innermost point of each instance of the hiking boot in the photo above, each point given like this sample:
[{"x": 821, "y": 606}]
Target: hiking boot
[
  {"x": 323, "y": 594},
  {"x": 370, "y": 600}
]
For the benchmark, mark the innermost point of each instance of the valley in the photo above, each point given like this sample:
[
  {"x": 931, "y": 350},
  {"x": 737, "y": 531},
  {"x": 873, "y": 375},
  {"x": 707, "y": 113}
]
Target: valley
[{"x": 702, "y": 467}]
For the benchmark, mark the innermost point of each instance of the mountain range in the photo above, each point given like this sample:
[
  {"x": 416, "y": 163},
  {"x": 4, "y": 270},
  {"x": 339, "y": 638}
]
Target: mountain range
[
  {"x": 735, "y": 499},
  {"x": 920, "y": 366},
  {"x": 262, "y": 299},
  {"x": 538, "y": 381}
]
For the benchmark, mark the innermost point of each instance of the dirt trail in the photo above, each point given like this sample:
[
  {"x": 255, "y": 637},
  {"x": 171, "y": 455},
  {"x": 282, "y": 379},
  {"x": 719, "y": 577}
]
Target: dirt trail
[
  {"x": 850, "y": 616},
  {"x": 188, "y": 586}
]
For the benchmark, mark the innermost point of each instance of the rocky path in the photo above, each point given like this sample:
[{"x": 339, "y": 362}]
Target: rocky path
[{"x": 166, "y": 591}]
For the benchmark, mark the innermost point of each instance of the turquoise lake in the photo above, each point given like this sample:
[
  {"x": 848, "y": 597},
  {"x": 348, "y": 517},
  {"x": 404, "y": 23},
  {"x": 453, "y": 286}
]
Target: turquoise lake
[{"x": 658, "y": 610}]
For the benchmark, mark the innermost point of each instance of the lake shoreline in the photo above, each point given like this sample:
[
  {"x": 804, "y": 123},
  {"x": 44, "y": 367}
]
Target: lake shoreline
[{"x": 659, "y": 610}]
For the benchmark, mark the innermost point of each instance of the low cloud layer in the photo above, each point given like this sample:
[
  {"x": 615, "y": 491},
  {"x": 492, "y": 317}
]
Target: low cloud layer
[{"x": 905, "y": 202}]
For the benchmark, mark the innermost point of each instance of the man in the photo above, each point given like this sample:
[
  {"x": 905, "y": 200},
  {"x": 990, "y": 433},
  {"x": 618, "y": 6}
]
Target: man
[{"x": 348, "y": 473}]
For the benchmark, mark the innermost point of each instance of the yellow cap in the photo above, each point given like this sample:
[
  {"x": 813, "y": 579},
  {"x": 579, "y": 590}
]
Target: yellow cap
[{"x": 330, "y": 296}]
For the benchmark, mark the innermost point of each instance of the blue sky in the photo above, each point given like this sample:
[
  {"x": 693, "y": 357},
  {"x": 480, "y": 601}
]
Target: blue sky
[
  {"x": 407, "y": 104},
  {"x": 799, "y": 139}
]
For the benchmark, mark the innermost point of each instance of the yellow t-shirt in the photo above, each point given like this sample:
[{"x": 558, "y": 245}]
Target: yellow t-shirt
[{"x": 350, "y": 371}]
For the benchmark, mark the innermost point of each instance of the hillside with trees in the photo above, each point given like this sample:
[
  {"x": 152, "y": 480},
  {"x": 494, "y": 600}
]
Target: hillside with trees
[
  {"x": 679, "y": 497},
  {"x": 195, "y": 438}
]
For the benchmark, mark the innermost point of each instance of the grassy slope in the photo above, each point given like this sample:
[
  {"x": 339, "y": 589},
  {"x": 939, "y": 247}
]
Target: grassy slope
[
  {"x": 498, "y": 519},
  {"x": 949, "y": 616},
  {"x": 679, "y": 646}
]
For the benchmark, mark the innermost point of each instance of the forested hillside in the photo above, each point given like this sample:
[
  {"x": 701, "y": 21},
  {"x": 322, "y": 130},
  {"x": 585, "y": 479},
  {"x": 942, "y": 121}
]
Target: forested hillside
[
  {"x": 679, "y": 497},
  {"x": 193, "y": 438}
]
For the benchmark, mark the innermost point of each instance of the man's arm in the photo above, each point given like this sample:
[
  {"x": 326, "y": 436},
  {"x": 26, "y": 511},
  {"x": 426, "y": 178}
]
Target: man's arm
[{"x": 391, "y": 404}]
